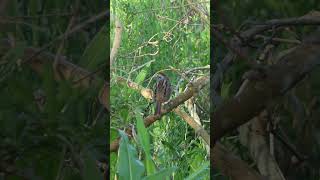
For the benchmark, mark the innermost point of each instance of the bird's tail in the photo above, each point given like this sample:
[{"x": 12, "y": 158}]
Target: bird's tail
[{"x": 158, "y": 108}]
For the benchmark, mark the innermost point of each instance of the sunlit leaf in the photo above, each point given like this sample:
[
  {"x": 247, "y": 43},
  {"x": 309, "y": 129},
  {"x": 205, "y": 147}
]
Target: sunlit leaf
[{"x": 129, "y": 167}]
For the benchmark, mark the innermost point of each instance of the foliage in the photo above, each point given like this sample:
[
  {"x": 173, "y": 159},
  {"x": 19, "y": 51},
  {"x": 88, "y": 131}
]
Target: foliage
[
  {"x": 49, "y": 128},
  {"x": 158, "y": 36},
  {"x": 293, "y": 110}
]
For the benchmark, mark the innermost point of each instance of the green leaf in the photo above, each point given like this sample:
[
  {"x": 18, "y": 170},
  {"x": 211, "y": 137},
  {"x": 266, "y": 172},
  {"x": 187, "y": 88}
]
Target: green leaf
[
  {"x": 129, "y": 166},
  {"x": 141, "y": 76},
  {"x": 143, "y": 73},
  {"x": 143, "y": 133},
  {"x": 199, "y": 172},
  {"x": 225, "y": 90},
  {"x": 162, "y": 174},
  {"x": 145, "y": 143},
  {"x": 90, "y": 170},
  {"x": 98, "y": 49}
]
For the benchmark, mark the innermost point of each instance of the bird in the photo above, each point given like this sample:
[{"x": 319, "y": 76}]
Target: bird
[{"x": 162, "y": 91}]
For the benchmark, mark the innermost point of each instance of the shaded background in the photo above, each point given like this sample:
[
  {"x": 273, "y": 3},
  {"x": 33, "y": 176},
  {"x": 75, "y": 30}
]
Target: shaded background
[
  {"x": 52, "y": 127},
  {"x": 297, "y": 112}
]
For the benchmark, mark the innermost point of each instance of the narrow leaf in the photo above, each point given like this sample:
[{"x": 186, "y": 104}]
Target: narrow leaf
[{"x": 129, "y": 166}]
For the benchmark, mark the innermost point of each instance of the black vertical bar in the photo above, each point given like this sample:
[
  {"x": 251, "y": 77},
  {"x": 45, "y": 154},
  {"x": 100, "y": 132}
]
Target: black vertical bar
[
  {"x": 107, "y": 83},
  {"x": 212, "y": 19}
]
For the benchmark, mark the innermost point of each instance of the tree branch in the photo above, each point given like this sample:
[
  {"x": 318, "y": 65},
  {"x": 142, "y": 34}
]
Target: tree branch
[{"x": 191, "y": 90}]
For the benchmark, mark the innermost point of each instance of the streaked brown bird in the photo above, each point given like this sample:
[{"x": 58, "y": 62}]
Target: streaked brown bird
[{"x": 162, "y": 91}]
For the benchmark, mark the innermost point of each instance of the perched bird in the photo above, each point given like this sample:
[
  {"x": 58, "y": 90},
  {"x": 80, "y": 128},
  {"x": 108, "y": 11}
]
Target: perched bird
[{"x": 162, "y": 91}]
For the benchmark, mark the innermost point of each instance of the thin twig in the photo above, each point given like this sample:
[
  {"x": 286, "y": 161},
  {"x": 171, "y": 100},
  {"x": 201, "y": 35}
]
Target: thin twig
[
  {"x": 192, "y": 90},
  {"x": 174, "y": 7},
  {"x": 67, "y": 34}
]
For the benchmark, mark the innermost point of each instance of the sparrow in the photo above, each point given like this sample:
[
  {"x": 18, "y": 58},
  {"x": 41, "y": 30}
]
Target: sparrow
[{"x": 162, "y": 91}]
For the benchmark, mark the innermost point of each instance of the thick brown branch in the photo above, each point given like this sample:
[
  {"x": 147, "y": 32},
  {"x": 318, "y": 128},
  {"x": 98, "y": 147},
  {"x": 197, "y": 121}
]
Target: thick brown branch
[
  {"x": 231, "y": 165},
  {"x": 248, "y": 36},
  {"x": 299, "y": 21},
  {"x": 116, "y": 40},
  {"x": 198, "y": 128},
  {"x": 280, "y": 78}
]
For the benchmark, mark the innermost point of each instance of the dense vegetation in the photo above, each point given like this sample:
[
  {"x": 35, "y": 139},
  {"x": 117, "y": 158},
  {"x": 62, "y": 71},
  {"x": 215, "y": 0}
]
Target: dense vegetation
[
  {"x": 168, "y": 37},
  {"x": 55, "y": 110},
  {"x": 52, "y": 124}
]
